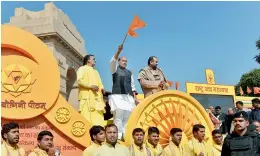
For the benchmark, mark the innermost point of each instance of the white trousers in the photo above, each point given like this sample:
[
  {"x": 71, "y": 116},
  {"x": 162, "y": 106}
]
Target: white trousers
[{"x": 120, "y": 120}]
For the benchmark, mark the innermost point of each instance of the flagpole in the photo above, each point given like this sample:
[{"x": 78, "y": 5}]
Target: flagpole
[{"x": 124, "y": 39}]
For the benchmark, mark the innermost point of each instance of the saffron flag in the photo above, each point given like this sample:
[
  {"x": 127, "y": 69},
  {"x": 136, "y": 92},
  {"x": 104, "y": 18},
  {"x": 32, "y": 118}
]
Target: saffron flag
[
  {"x": 248, "y": 90},
  {"x": 136, "y": 24},
  {"x": 241, "y": 91},
  {"x": 170, "y": 83},
  {"x": 177, "y": 85},
  {"x": 256, "y": 90}
]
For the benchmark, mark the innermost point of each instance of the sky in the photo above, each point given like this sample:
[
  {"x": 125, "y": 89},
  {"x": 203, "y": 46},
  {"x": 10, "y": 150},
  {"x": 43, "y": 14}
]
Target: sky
[{"x": 187, "y": 37}]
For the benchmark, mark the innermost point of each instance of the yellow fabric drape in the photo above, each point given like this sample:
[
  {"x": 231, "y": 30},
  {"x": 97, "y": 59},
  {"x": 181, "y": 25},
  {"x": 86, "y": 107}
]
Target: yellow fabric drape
[
  {"x": 38, "y": 152},
  {"x": 89, "y": 151},
  {"x": 14, "y": 151},
  {"x": 156, "y": 151},
  {"x": 194, "y": 147},
  {"x": 217, "y": 149},
  {"x": 173, "y": 150},
  {"x": 136, "y": 151}
]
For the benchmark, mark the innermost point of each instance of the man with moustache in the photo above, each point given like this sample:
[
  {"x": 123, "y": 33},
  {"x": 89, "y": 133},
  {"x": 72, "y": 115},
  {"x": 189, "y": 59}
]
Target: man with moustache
[
  {"x": 97, "y": 135},
  {"x": 151, "y": 78},
  {"x": 153, "y": 141},
  {"x": 111, "y": 147},
  {"x": 45, "y": 146},
  {"x": 197, "y": 146},
  {"x": 10, "y": 136},
  {"x": 123, "y": 98},
  {"x": 242, "y": 141},
  {"x": 174, "y": 148},
  {"x": 138, "y": 148}
]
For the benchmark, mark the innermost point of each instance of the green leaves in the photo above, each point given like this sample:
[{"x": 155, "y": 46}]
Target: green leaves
[
  {"x": 250, "y": 79},
  {"x": 257, "y": 57}
]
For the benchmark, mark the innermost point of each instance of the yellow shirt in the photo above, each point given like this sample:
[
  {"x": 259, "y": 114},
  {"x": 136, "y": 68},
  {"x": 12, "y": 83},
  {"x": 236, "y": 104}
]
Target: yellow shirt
[
  {"x": 38, "y": 152},
  {"x": 87, "y": 76},
  {"x": 194, "y": 147},
  {"x": 13, "y": 151},
  {"x": 155, "y": 150},
  {"x": 137, "y": 151},
  {"x": 217, "y": 149},
  {"x": 108, "y": 150},
  {"x": 173, "y": 150},
  {"x": 90, "y": 150}
]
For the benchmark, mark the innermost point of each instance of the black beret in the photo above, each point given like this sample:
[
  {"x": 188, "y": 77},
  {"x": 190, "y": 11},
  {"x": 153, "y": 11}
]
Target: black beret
[
  {"x": 218, "y": 107},
  {"x": 241, "y": 114}
]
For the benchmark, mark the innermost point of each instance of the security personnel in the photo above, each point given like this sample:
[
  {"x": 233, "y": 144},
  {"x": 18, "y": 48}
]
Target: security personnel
[{"x": 242, "y": 141}]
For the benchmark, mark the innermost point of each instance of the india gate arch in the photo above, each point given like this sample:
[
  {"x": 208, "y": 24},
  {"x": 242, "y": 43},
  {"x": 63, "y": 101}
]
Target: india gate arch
[{"x": 72, "y": 87}]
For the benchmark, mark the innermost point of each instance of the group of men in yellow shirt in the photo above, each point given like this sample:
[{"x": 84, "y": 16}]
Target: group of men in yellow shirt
[
  {"x": 10, "y": 140},
  {"x": 105, "y": 143}
]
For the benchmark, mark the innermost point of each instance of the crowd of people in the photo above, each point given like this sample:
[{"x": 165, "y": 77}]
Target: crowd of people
[
  {"x": 224, "y": 122},
  {"x": 236, "y": 133},
  {"x": 242, "y": 141}
]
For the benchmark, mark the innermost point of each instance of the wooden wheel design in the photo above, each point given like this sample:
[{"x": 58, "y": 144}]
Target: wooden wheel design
[{"x": 166, "y": 110}]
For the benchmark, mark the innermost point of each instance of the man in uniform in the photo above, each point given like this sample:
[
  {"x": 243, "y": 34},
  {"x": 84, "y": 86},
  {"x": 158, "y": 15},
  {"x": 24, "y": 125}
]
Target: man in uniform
[
  {"x": 241, "y": 141},
  {"x": 152, "y": 78}
]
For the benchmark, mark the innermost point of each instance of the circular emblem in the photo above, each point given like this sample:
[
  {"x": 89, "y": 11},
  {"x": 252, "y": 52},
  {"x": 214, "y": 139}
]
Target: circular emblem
[
  {"x": 166, "y": 110},
  {"x": 30, "y": 75},
  {"x": 62, "y": 115},
  {"x": 78, "y": 128}
]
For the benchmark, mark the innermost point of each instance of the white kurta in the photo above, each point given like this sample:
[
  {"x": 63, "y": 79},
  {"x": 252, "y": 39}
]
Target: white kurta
[
  {"x": 121, "y": 101},
  {"x": 121, "y": 104}
]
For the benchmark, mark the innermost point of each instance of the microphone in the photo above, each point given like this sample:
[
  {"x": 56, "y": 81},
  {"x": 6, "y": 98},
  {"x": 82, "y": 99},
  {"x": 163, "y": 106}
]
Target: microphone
[{"x": 56, "y": 152}]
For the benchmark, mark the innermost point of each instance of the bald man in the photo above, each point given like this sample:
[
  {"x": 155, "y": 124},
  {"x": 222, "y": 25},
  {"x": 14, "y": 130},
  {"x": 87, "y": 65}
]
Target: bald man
[
  {"x": 257, "y": 125},
  {"x": 123, "y": 98},
  {"x": 151, "y": 78},
  {"x": 212, "y": 109}
]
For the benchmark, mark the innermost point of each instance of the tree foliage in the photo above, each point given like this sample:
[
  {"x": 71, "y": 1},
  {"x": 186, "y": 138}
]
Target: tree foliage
[
  {"x": 257, "y": 57},
  {"x": 250, "y": 79}
]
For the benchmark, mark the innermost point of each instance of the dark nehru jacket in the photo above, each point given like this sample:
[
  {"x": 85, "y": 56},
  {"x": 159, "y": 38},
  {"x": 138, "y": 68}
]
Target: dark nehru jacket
[{"x": 122, "y": 82}]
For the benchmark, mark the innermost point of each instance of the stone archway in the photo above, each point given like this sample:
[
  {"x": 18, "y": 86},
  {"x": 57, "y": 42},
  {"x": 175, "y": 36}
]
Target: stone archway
[{"x": 72, "y": 87}]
